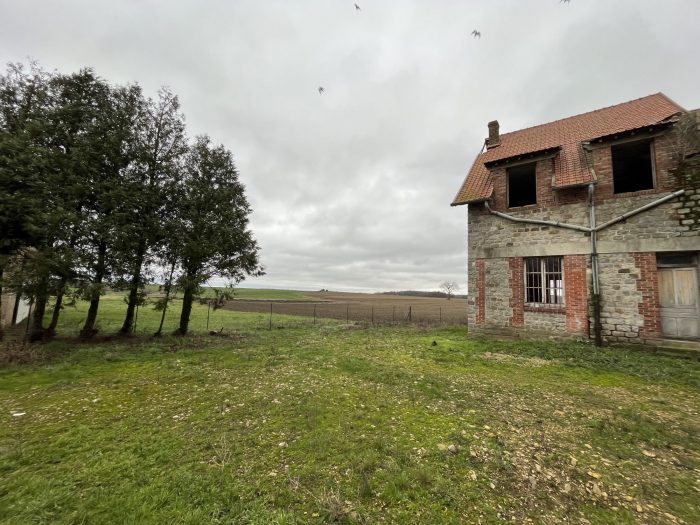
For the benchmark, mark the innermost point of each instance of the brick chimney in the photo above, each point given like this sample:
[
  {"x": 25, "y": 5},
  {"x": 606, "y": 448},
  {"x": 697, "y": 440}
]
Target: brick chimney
[{"x": 494, "y": 135}]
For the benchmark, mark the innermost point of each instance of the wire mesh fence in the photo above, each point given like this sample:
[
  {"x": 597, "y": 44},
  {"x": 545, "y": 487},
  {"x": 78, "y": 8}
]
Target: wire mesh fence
[
  {"x": 379, "y": 314},
  {"x": 258, "y": 315}
]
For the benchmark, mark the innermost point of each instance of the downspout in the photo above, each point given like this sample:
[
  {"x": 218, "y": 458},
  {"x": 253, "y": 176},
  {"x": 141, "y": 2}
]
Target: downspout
[{"x": 595, "y": 276}]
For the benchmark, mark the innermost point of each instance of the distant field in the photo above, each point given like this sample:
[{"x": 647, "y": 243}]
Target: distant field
[
  {"x": 372, "y": 308},
  {"x": 302, "y": 307},
  {"x": 245, "y": 293},
  {"x": 258, "y": 294}
]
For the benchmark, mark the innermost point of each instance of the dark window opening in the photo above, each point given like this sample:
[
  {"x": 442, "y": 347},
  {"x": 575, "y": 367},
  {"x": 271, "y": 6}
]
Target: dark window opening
[
  {"x": 522, "y": 185},
  {"x": 675, "y": 259},
  {"x": 544, "y": 281},
  {"x": 632, "y": 167}
]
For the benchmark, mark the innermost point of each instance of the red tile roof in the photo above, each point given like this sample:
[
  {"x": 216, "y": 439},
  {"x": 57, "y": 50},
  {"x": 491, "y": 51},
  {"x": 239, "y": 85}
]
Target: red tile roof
[{"x": 570, "y": 166}]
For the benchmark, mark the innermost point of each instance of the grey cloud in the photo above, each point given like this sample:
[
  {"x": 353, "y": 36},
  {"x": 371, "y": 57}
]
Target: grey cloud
[{"x": 351, "y": 189}]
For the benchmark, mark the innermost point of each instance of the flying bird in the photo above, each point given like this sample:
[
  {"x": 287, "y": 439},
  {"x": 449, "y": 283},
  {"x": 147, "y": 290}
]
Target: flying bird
[
  {"x": 476, "y": 34},
  {"x": 563, "y": 1},
  {"x": 320, "y": 90},
  {"x": 357, "y": 8}
]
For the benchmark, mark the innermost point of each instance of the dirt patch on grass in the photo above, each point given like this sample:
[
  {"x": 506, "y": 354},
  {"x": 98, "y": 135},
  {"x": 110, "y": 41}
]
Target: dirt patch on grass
[{"x": 507, "y": 358}]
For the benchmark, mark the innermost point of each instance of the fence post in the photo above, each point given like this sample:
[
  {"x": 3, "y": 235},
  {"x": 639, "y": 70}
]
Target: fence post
[
  {"x": 393, "y": 311},
  {"x": 136, "y": 320},
  {"x": 441, "y": 315},
  {"x": 409, "y": 314},
  {"x": 270, "y": 317},
  {"x": 208, "y": 308},
  {"x": 372, "y": 315},
  {"x": 347, "y": 314},
  {"x": 314, "y": 313}
]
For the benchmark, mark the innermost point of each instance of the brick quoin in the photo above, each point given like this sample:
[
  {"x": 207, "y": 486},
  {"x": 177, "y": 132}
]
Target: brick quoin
[
  {"x": 517, "y": 287},
  {"x": 480, "y": 291},
  {"x": 648, "y": 285},
  {"x": 576, "y": 294}
]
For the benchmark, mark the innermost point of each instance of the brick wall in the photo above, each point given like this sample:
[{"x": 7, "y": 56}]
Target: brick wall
[
  {"x": 516, "y": 283},
  {"x": 544, "y": 171},
  {"x": 648, "y": 286},
  {"x": 665, "y": 157},
  {"x": 576, "y": 294},
  {"x": 665, "y": 148},
  {"x": 544, "y": 174}
]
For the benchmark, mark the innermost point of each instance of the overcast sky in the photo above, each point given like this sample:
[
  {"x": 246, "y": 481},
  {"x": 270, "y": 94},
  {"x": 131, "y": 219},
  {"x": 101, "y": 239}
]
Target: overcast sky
[{"x": 351, "y": 188}]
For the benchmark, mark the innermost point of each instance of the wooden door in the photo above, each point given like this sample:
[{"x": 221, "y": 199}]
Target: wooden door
[{"x": 678, "y": 294}]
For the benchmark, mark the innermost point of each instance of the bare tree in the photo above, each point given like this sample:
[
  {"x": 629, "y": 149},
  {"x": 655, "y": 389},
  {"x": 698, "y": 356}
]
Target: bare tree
[{"x": 449, "y": 287}]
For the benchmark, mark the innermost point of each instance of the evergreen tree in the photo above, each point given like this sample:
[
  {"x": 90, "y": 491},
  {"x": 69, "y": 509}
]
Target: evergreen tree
[
  {"x": 161, "y": 145},
  {"x": 213, "y": 236}
]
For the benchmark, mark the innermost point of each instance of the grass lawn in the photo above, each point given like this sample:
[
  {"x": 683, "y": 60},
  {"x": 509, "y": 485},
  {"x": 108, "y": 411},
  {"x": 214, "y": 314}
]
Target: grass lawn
[{"x": 335, "y": 423}]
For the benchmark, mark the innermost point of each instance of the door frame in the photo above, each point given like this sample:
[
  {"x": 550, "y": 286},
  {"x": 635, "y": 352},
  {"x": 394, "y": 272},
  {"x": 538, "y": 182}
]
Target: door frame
[{"x": 671, "y": 260}]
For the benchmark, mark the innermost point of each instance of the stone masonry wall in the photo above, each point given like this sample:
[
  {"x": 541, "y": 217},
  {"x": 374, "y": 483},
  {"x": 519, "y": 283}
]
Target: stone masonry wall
[
  {"x": 627, "y": 280},
  {"x": 545, "y": 322},
  {"x": 620, "y": 317},
  {"x": 498, "y": 296}
]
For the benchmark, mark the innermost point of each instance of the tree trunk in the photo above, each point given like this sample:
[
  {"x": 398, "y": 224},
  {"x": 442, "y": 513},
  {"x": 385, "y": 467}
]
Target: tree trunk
[
  {"x": 89, "y": 327},
  {"x": 36, "y": 331},
  {"x": 168, "y": 287},
  {"x": 187, "y": 299},
  {"x": 57, "y": 309},
  {"x": 2, "y": 333},
  {"x": 128, "y": 324},
  {"x": 15, "y": 308}
]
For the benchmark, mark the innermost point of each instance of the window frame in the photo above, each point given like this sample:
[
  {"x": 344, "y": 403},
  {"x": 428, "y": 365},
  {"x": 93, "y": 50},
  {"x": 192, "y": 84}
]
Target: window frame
[
  {"x": 544, "y": 289},
  {"x": 652, "y": 160},
  {"x": 520, "y": 165}
]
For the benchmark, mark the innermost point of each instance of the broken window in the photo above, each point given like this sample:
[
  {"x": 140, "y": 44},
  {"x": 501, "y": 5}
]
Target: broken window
[
  {"x": 633, "y": 169},
  {"x": 522, "y": 185},
  {"x": 544, "y": 281}
]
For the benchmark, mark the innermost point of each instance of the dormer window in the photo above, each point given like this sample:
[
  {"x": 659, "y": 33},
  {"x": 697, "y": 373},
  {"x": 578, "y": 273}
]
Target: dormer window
[
  {"x": 633, "y": 169},
  {"x": 522, "y": 185}
]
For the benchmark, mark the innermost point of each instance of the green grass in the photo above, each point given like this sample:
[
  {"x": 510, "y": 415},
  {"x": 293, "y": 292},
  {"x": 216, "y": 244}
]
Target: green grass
[{"x": 342, "y": 424}]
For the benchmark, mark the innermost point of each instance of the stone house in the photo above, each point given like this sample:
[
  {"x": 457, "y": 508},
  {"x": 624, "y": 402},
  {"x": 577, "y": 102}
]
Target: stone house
[{"x": 582, "y": 228}]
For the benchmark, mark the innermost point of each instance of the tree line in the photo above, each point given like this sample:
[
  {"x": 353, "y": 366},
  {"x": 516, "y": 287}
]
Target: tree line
[{"x": 99, "y": 185}]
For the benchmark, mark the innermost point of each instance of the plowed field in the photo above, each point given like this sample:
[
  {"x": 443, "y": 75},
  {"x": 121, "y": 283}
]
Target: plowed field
[{"x": 372, "y": 308}]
